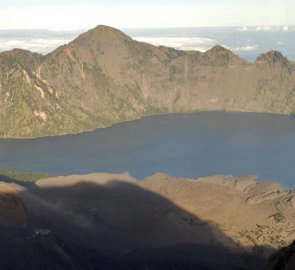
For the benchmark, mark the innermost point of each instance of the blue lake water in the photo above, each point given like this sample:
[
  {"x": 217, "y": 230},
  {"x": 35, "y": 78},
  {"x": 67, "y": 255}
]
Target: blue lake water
[{"x": 188, "y": 145}]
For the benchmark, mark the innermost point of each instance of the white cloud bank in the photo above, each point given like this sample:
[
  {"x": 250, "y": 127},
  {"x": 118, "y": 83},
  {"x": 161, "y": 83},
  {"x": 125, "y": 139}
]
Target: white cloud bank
[
  {"x": 267, "y": 28},
  {"x": 40, "y": 45},
  {"x": 243, "y": 29},
  {"x": 181, "y": 43},
  {"x": 246, "y": 48}
]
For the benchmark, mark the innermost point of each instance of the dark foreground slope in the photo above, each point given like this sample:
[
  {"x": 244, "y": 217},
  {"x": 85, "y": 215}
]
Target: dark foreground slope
[
  {"x": 108, "y": 221},
  {"x": 284, "y": 259},
  {"x": 104, "y": 77}
]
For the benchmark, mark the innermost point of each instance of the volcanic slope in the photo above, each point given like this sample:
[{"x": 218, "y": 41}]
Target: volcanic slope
[
  {"x": 113, "y": 221},
  {"x": 104, "y": 77}
]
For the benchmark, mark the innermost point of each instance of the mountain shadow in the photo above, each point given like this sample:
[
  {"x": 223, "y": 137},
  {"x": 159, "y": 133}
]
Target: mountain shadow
[
  {"x": 284, "y": 259},
  {"x": 112, "y": 225}
]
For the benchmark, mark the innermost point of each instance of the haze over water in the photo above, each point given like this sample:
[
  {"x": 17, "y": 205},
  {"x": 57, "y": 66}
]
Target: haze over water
[{"x": 184, "y": 145}]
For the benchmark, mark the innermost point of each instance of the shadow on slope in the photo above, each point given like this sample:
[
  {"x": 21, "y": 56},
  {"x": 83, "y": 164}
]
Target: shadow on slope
[
  {"x": 117, "y": 225},
  {"x": 284, "y": 259}
]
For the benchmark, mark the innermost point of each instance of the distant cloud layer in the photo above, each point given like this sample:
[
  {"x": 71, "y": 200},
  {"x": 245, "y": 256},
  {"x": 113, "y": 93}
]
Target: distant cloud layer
[
  {"x": 39, "y": 45},
  {"x": 247, "y": 48},
  {"x": 181, "y": 43},
  {"x": 41, "y": 41},
  {"x": 247, "y": 42},
  {"x": 267, "y": 28}
]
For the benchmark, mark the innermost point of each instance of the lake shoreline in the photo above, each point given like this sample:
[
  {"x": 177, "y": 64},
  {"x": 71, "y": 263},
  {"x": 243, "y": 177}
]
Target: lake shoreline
[
  {"x": 183, "y": 145},
  {"x": 146, "y": 116}
]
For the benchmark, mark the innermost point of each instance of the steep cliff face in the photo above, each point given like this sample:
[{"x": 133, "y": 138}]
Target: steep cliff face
[{"x": 104, "y": 77}]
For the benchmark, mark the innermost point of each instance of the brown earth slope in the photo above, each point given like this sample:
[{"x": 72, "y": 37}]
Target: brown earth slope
[
  {"x": 104, "y": 77},
  {"x": 113, "y": 221}
]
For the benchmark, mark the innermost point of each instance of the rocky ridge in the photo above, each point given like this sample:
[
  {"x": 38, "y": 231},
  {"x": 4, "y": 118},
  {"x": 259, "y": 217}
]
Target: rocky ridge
[{"x": 104, "y": 77}]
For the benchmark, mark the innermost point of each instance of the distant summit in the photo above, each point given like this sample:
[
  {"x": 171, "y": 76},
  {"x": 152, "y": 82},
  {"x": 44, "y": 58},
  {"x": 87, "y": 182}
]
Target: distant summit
[
  {"x": 272, "y": 57},
  {"x": 100, "y": 32},
  {"x": 104, "y": 77},
  {"x": 219, "y": 55}
]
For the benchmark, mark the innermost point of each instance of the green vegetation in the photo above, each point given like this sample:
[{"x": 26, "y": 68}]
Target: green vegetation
[{"x": 23, "y": 176}]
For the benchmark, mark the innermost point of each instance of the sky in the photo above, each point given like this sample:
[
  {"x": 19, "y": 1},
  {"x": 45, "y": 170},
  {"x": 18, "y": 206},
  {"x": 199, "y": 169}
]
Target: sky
[{"x": 84, "y": 14}]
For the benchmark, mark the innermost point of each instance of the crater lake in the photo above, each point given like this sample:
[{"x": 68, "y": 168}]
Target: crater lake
[{"x": 184, "y": 145}]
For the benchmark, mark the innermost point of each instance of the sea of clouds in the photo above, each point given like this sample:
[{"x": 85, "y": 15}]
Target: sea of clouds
[
  {"x": 248, "y": 42},
  {"x": 40, "y": 41},
  {"x": 40, "y": 45},
  {"x": 284, "y": 28},
  {"x": 193, "y": 43},
  {"x": 181, "y": 43}
]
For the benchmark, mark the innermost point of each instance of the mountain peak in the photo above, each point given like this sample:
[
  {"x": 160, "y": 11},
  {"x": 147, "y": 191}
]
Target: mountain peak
[
  {"x": 98, "y": 35},
  {"x": 272, "y": 57},
  {"x": 218, "y": 49},
  {"x": 104, "y": 31},
  {"x": 103, "y": 27},
  {"x": 104, "y": 77},
  {"x": 219, "y": 55}
]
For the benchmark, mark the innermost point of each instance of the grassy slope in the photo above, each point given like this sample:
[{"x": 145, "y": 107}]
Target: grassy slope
[{"x": 22, "y": 176}]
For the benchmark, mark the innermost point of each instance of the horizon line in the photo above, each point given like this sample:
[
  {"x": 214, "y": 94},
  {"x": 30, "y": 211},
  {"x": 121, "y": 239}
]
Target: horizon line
[{"x": 153, "y": 27}]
